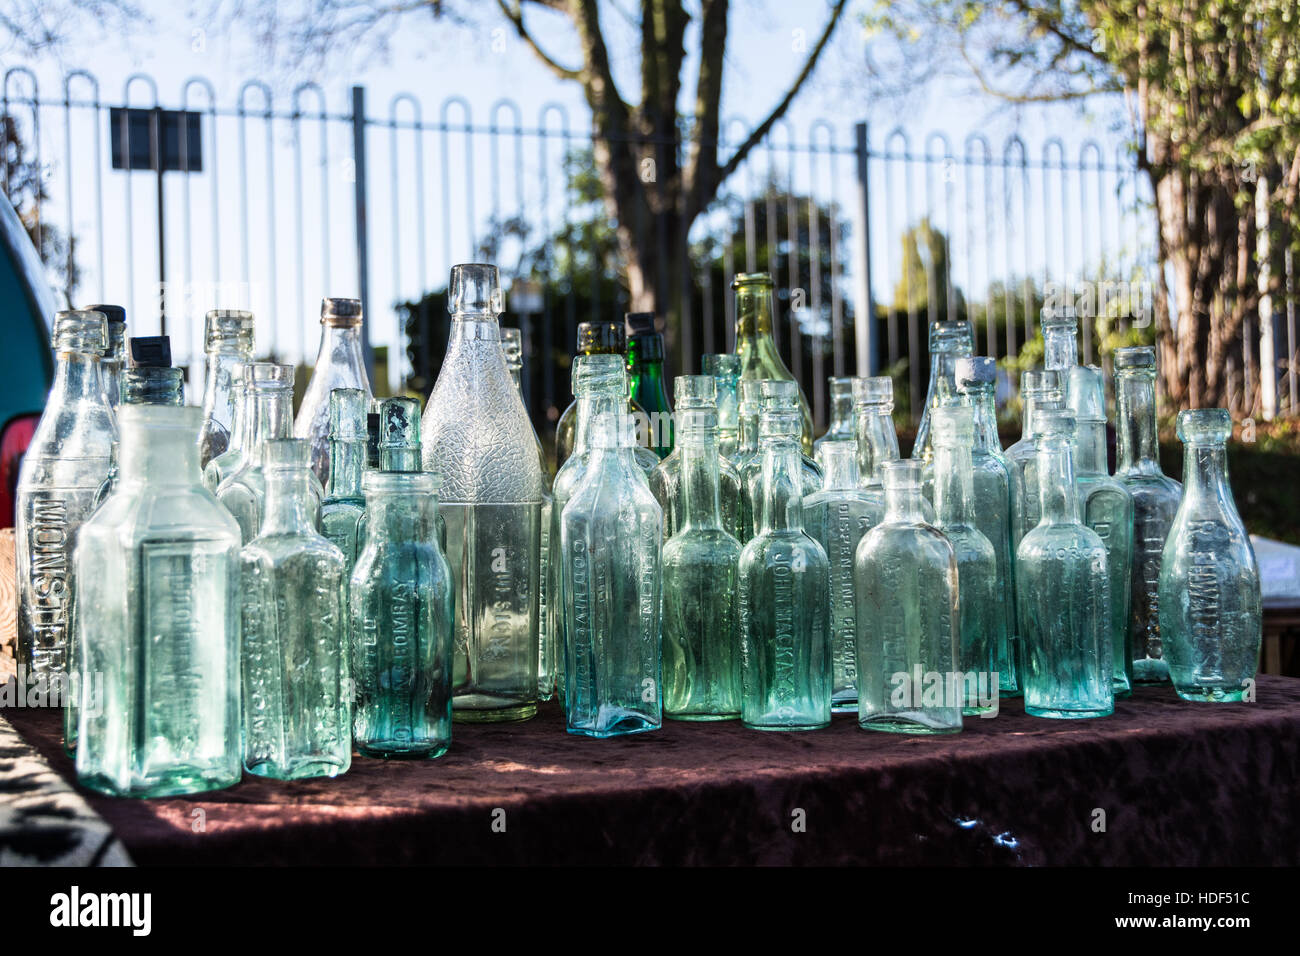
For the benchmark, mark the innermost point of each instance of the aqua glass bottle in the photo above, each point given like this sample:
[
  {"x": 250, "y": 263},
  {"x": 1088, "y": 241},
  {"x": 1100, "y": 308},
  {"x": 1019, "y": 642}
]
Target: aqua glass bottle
[
  {"x": 479, "y": 439},
  {"x": 701, "y": 653},
  {"x": 297, "y": 689},
  {"x": 1060, "y": 343},
  {"x": 150, "y": 379},
  {"x": 158, "y": 620},
  {"x": 949, "y": 341},
  {"x": 67, "y": 463},
  {"x": 228, "y": 345},
  {"x": 784, "y": 610},
  {"x": 1106, "y": 507},
  {"x": 843, "y": 424},
  {"x": 748, "y": 404},
  {"x": 1039, "y": 391},
  {"x": 908, "y": 616},
  {"x": 115, "y": 355},
  {"x": 339, "y": 364},
  {"x": 1211, "y": 622},
  {"x": 1155, "y": 502},
  {"x": 401, "y": 608},
  {"x": 985, "y": 623},
  {"x": 1063, "y": 591},
  {"x": 837, "y": 517},
  {"x": 755, "y": 346},
  {"x": 229, "y": 461},
  {"x": 645, "y": 370},
  {"x": 877, "y": 441},
  {"x": 611, "y": 533},
  {"x": 725, "y": 369},
  {"x": 775, "y": 397},
  {"x": 694, "y": 392},
  {"x": 344, "y": 507}
]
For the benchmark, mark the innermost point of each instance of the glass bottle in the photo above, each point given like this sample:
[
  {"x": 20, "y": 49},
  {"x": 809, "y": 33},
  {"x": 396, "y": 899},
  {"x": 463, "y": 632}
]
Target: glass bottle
[
  {"x": 1211, "y": 622},
  {"x": 908, "y": 615},
  {"x": 150, "y": 378},
  {"x": 339, "y": 364},
  {"x": 949, "y": 341},
  {"x": 774, "y": 397},
  {"x": 1106, "y": 507},
  {"x": 158, "y": 620},
  {"x": 694, "y": 392},
  {"x": 1040, "y": 391},
  {"x": 1063, "y": 591},
  {"x": 480, "y": 440},
  {"x": 747, "y": 410},
  {"x": 785, "y": 628},
  {"x": 1060, "y": 343},
  {"x": 297, "y": 686},
  {"x": 759, "y": 357},
  {"x": 1155, "y": 502},
  {"x": 645, "y": 369},
  {"x": 401, "y": 606},
  {"x": 228, "y": 345},
  {"x": 344, "y": 507},
  {"x": 701, "y": 659},
  {"x": 985, "y": 616},
  {"x": 843, "y": 426},
  {"x": 611, "y": 532},
  {"x": 877, "y": 442},
  {"x": 66, "y": 464},
  {"x": 596, "y": 338},
  {"x": 725, "y": 369},
  {"x": 114, "y": 360},
  {"x": 229, "y": 461},
  {"x": 837, "y": 517}
]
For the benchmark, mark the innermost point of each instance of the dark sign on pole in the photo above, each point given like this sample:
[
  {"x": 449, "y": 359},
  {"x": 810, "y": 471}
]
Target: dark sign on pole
[{"x": 137, "y": 122}]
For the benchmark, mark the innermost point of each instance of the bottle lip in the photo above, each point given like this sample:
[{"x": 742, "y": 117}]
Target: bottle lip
[
  {"x": 474, "y": 289},
  {"x": 721, "y": 364},
  {"x": 113, "y": 314},
  {"x": 1204, "y": 426},
  {"x": 1137, "y": 357},
  {"x": 873, "y": 390},
  {"x": 1055, "y": 423},
  {"x": 747, "y": 279},
  {"x": 976, "y": 370},
  {"x": 286, "y": 454},
  {"x": 268, "y": 376},
  {"x": 82, "y": 331},
  {"x": 902, "y": 474},
  {"x": 410, "y": 482},
  {"x": 340, "y": 312},
  {"x": 952, "y": 426}
]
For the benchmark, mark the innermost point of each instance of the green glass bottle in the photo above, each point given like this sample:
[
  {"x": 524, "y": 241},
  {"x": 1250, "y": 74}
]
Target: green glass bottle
[
  {"x": 645, "y": 369},
  {"x": 295, "y": 652},
  {"x": 774, "y": 396},
  {"x": 985, "y": 616},
  {"x": 1063, "y": 591},
  {"x": 755, "y": 347},
  {"x": 909, "y": 642},
  {"x": 150, "y": 378},
  {"x": 725, "y": 368},
  {"x": 1211, "y": 621},
  {"x": 1106, "y": 507},
  {"x": 949, "y": 342},
  {"x": 843, "y": 426},
  {"x": 1039, "y": 391},
  {"x": 837, "y": 516},
  {"x": 1155, "y": 502},
  {"x": 344, "y": 507},
  {"x": 697, "y": 392},
  {"x": 597, "y": 338},
  {"x": 701, "y": 654}
]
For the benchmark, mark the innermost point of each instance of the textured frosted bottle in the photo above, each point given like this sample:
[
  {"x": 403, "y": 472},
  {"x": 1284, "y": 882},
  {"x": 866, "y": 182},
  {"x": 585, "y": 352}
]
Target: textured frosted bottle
[
  {"x": 228, "y": 343},
  {"x": 158, "y": 620},
  {"x": 339, "y": 364},
  {"x": 1210, "y": 616},
  {"x": 479, "y": 439}
]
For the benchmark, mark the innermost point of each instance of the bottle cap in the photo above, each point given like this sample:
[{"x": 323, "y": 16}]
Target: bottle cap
[
  {"x": 474, "y": 290},
  {"x": 953, "y": 426},
  {"x": 151, "y": 351},
  {"x": 695, "y": 391},
  {"x": 228, "y": 330},
  {"x": 976, "y": 370},
  {"x": 340, "y": 312},
  {"x": 639, "y": 323},
  {"x": 348, "y": 414},
  {"x": 1138, "y": 356},
  {"x": 114, "y": 314}
]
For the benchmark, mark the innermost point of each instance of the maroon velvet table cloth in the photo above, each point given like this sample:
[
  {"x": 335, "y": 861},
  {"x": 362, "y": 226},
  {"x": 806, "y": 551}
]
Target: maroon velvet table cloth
[{"x": 1162, "y": 781}]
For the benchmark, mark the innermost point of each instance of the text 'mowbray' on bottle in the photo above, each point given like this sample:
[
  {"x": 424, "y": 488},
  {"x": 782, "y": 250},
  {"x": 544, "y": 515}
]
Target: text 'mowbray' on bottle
[
  {"x": 158, "y": 620},
  {"x": 949, "y": 341},
  {"x": 1211, "y": 623},
  {"x": 755, "y": 346},
  {"x": 645, "y": 370},
  {"x": 345, "y": 502},
  {"x": 68, "y": 461},
  {"x": 339, "y": 364},
  {"x": 479, "y": 439},
  {"x": 228, "y": 344},
  {"x": 115, "y": 355}
]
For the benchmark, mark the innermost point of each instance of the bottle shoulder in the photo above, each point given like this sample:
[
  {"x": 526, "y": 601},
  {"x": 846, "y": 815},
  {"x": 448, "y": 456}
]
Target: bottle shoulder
[
  {"x": 1060, "y": 542},
  {"x": 787, "y": 546},
  {"x": 134, "y": 512}
]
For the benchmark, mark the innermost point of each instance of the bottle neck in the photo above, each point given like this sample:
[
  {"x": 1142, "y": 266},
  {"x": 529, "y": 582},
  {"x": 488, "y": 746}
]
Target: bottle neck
[
  {"x": 781, "y": 496},
  {"x": 748, "y": 421},
  {"x": 700, "y": 481},
  {"x": 347, "y": 464},
  {"x": 1029, "y": 420},
  {"x": 1090, "y": 448},
  {"x": 842, "y": 418},
  {"x": 340, "y": 346},
  {"x": 1060, "y": 349},
  {"x": 1205, "y": 472},
  {"x": 1135, "y": 398},
  {"x": 78, "y": 377},
  {"x": 646, "y": 380},
  {"x": 396, "y": 516},
  {"x": 839, "y": 473},
  {"x": 158, "y": 457},
  {"x": 589, "y": 407},
  {"x": 218, "y": 393},
  {"x": 1056, "y": 492},
  {"x": 953, "y": 485},
  {"x": 877, "y": 441},
  {"x": 943, "y": 376},
  {"x": 288, "y": 503},
  {"x": 980, "y": 399},
  {"x": 753, "y": 316},
  {"x": 270, "y": 415},
  {"x": 903, "y": 504}
]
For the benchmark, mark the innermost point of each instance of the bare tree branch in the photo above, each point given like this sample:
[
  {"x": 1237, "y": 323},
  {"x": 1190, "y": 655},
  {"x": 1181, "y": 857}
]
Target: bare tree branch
[{"x": 516, "y": 16}]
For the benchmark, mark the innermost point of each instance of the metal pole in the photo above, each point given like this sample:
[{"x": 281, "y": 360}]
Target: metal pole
[
  {"x": 156, "y": 155},
  {"x": 864, "y": 319},
  {"x": 359, "y": 192}
]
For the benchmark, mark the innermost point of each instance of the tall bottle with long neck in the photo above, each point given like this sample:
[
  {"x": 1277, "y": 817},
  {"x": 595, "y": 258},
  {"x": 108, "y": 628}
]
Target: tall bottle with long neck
[
  {"x": 877, "y": 441},
  {"x": 339, "y": 364},
  {"x": 759, "y": 358},
  {"x": 1060, "y": 342},
  {"x": 725, "y": 369},
  {"x": 67, "y": 462},
  {"x": 694, "y": 392},
  {"x": 228, "y": 344},
  {"x": 950, "y": 340},
  {"x": 479, "y": 438},
  {"x": 645, "y": 370},
  {"x": 1155, "y": 502},
  {"x": 115, "y": 356},
  {"x": 775, "y": 397},
  {"x": 1040, "y": 391},
  {"x": 344, "y": 507},
  {"x": 229, "y": 461},
  {"x": 843, "y": 426}
]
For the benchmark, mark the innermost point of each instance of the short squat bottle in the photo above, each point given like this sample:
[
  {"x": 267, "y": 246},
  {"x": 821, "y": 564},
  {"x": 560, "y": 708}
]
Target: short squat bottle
[
  {"x": 908, "y": 616},
  {"x": 339, "y": 364},
  {"x": 756, "y": 347},
  {"x": 345, "y": 502},
  {"x": 297, "y": 689},
  {"x": 842, "y": 426},
  {"x": 1210, "y": 616},
  {"x": 785, "y": 632},
  {"x": 1063, "y": 591},
  {"x": 115, "y": 355},
  {"x": 701, "y": 655},
  {"x": 158, "y": 620},
  {"x": 1155, "y": 501},
  {"x": 228, "y": 344},
  {"x": 725, "y": 369},
  {"x": 611, "y": 533},
  {"x": 694, "y": 392},
  {"x": 949, "y": 342},
  {"x": 400, "y": 606}
]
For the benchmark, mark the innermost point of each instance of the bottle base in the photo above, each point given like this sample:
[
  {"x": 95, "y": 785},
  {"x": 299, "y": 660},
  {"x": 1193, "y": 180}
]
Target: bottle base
[
  {"x": 620, "y": 729},
  {"x": 792, "y": 727},
  {"x": 396, "y": 751},
  {"x": 172, "y": 785},
  {"x": 302, "y": 770},
  {"x": 844, "y": 706},
  {"x": 903, "y": 725},
  {"x": 1211, "y": 695},
  {"x": 702, "y": 718},
  {"x": 1057, "y": 713},
  {"x": 469, "y": 714},
  {"x": 1151, "y": 670}
]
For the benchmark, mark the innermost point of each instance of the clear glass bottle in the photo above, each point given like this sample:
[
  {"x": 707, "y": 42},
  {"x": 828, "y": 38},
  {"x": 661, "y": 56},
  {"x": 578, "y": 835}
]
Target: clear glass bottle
[
  {"x": 774, "y": 397},
  {"x": 908, "y": 616},
  {"x": 339, "y": 364},
  {"x": 985, "y": 616},
  {"x": 784, "y": 609},
  {"x": 597, "y": 338},
  {"x": 1106, "y": 507},
  {"x": 1155, "y": 502},
  {"x": 755, "y": 346},
  {"x": 114, "y": 359},
  {"x": 873, "y": 408},
  {"x": 158, "y": 620},
  {"x": 694, "y": 392},
  {"x": 645, "y": 370},
  {"x": 1040, "y": 391},
  {"x": 150, "y": 378},
  {"x": 66, "y": 464},
  {"x": 297, "y": 687},
  {"x": 1063, "y": 591},
  {"x": 229, "y": 461},
  {"x": 949, "y": 341},
  {"x": 401, "y": 606},
  {"x": 479, "y": 439},
  {"x": 1211, "y": 622},
  {"x": 748, "y": 406},
  {"x": 725, "y": 369},
  {"x": 344, "y": 507},
  {"x": 991, "y": 503},
  {"x": 611, "y": 532},
  {"x": 701, "y": 656},
  {"x": 837, "y": 517},
  {"x": 1060, "y": 343},
  {"x": 228, "y": 344},
  {"x": 843, "y": 424}
]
